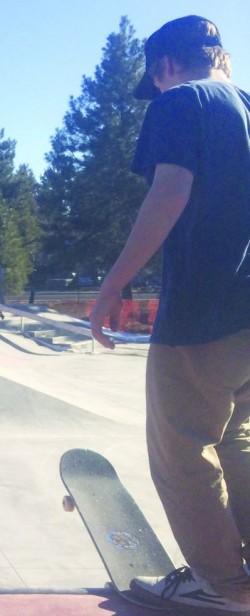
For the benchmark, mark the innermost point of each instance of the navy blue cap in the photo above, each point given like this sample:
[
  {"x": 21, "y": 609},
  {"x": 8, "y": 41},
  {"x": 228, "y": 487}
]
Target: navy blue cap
[{"x": 180, "y": 34}]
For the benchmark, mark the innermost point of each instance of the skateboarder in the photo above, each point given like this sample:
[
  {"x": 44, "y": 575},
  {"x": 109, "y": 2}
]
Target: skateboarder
[{"x": 194, "y": 148}]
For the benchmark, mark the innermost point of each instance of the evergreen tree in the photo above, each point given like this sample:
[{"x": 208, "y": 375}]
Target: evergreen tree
[
  {"x": 89, "y": 198},
  {"x": 7, "y": 156},
  {"x": 19, "y": 227},
  {"x": 24, "y": 204},
  {"x": 14, "y": 258}
]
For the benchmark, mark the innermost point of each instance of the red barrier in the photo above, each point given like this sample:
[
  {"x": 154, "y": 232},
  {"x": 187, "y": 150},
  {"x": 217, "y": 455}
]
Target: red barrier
[{"x": 137, "y": 316}]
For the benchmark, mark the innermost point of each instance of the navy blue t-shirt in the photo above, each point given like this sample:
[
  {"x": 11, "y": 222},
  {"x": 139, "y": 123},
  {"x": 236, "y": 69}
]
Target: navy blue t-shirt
[{"x": 203, "y": 126}]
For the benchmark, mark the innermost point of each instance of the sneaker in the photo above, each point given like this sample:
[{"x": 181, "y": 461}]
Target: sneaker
[{"x": 182, "y": 588}]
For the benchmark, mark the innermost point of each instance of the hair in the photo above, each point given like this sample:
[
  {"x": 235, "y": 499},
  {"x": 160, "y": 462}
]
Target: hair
[
  {"x": 193, "y": 57},
  {"x": 205, "y": 57}
]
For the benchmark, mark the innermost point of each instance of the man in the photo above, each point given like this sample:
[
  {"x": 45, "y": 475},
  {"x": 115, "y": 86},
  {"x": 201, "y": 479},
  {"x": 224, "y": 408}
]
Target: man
[{"x": 195, "y": 149}]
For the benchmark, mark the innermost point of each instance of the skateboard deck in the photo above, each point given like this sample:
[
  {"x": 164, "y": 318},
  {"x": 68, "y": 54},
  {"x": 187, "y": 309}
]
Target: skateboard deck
[{"x": 121, "y": 534}]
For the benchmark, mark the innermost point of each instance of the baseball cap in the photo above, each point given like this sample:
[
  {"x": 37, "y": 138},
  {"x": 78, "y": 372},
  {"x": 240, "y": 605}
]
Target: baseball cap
[{"x": 183, "y": 33}]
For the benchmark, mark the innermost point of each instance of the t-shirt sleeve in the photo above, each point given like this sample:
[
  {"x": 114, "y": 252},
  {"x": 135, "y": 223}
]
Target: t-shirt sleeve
[{"x": 169, "y": 134}]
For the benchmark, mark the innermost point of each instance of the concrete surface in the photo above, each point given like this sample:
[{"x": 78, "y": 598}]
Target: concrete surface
[
  {"x": 73, "y": 606},
  {"x": 49, "y": 403}
]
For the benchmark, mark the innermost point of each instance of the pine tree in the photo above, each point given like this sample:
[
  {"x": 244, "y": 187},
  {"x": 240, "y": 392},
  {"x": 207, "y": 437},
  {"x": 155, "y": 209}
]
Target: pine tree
[
  {"x": 89, "y": 198},
  {"x": 23, "y": 202},
  {"x": 14, "y": 258},
  {"x": 19, "y": 227}
]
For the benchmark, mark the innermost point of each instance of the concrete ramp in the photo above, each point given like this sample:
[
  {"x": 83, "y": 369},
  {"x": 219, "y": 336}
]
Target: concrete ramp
[
  {"x": 25, "y": 412},
  {"x": 41, "y": 546}
]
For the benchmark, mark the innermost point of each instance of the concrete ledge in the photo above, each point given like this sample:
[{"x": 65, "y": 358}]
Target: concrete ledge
[{"x": 103, "y": 604}]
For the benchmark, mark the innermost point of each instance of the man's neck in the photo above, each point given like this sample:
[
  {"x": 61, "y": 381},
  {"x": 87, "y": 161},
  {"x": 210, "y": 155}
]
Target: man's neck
[{"x": 196, "y": 75}]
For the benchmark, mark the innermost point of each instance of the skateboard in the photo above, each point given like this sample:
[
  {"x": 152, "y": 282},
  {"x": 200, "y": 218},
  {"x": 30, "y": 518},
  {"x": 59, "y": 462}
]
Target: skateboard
[{"x": 121, "y": 534}]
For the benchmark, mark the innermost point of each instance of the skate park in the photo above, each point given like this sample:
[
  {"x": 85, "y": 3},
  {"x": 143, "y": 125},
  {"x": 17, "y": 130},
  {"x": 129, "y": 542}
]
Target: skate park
[
  {"x": 93, "y": 152},
  {"x": 53, "y": 401}
]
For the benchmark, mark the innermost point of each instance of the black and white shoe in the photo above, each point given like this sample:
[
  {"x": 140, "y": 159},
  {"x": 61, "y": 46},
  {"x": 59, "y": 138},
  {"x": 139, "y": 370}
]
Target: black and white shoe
[{"x": 183, "y": 588}]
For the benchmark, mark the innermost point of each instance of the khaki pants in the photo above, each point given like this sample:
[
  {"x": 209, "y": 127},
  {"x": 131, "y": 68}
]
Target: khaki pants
[{"x": 198, "y": 431}]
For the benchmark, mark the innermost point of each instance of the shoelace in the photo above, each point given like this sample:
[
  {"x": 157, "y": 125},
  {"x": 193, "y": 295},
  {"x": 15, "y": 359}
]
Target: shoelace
[{"x": 173, "y": 580}]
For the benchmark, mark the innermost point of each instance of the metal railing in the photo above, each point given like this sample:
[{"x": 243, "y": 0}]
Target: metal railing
[{"x": 83, "y": 330}]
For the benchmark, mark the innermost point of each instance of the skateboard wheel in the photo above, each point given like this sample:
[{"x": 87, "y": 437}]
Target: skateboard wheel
[
  {"x": 109, "y": 586},
  {"x": 68, "y": 503}
]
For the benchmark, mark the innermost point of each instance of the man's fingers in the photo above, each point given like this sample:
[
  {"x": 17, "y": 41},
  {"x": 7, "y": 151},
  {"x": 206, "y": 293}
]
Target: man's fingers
[
  {"x": 108, "y": 343},
  {"x": 107, "y": 307},
  {"x": 100, "y": 337}
]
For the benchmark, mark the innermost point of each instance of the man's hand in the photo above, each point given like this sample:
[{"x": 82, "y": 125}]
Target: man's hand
[
  {"x": 108, "y": 304},
  {"x": 162, "y": 207}
]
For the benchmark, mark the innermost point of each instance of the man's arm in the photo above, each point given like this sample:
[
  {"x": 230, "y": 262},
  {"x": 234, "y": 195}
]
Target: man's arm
[{"x": 163, "y": 205}]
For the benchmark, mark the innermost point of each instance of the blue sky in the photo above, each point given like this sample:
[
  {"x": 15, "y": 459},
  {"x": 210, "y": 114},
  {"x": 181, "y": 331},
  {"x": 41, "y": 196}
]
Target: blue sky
[{"x": 47, "y": 45}]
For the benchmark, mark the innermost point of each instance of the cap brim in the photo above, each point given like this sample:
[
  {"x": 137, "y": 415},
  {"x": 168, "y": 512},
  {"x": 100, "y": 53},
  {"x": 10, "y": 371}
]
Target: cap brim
[{"x": 146, "y": 90}]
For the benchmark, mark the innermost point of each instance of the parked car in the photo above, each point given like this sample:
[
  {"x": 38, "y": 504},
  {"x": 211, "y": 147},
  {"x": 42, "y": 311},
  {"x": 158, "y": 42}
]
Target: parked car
[
  {"x": 85, "y": 281},
  {"x": 58, "y": 284},
  {"x": 81, "y": 282}
]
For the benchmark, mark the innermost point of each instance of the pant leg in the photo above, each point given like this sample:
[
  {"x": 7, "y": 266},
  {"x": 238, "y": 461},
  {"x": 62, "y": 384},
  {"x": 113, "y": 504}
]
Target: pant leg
[
  {"x": 234, "y": 455},
  {"x": 190, "y": 401}
]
